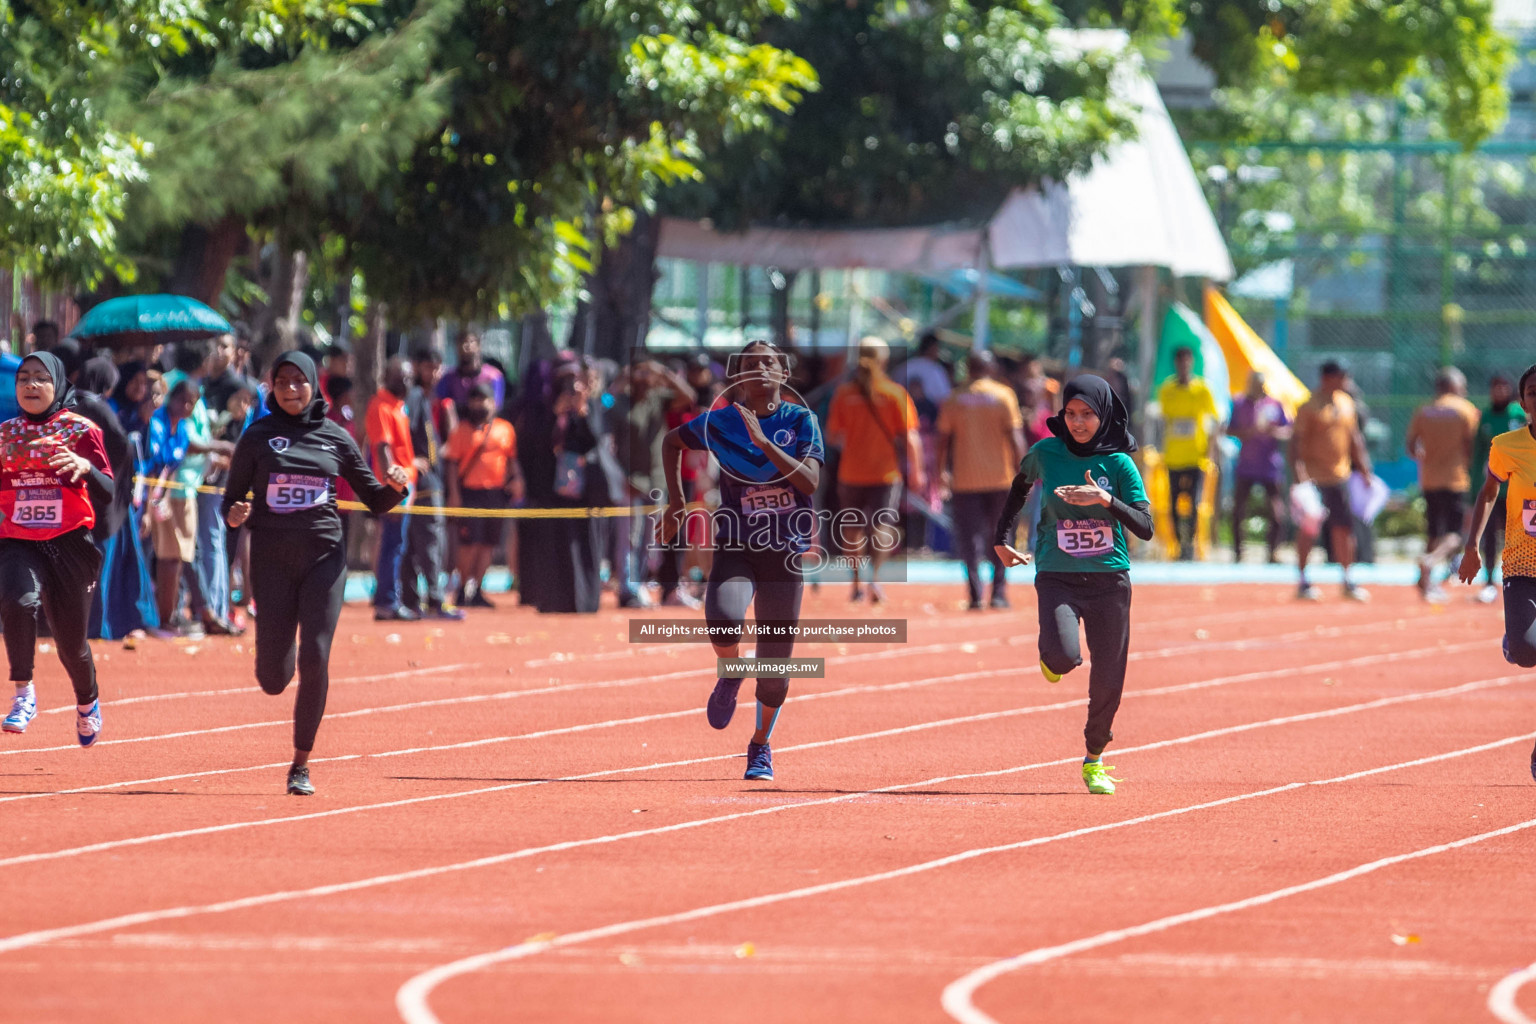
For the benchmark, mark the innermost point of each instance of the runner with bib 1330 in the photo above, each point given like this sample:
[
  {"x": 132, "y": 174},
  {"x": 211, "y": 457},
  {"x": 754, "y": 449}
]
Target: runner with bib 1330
[
  {"x": 1093, "y": 493},
  {"x": 770, "y": 454}
]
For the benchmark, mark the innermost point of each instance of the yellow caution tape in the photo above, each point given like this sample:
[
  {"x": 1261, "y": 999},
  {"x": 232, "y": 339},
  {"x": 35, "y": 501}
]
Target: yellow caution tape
[{"x": 615, "y": 512}]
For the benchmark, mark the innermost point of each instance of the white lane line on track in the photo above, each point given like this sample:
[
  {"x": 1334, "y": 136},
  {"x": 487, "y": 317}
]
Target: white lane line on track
[
  {"x": 1503, "y": 1000},
  {"x": 411, "y": 1001},
  {"x": 602, "y": 685},
  {"x": 906, "y": 685},
  {"x": 1159, "y": 691},
  {"x": 899, "y": 651},
  {"x": 945, "y": 623},
  {"x": 25, "y": 939},
  {"x": 957, "y": 998},
  {"x": 253, "y": 688}
]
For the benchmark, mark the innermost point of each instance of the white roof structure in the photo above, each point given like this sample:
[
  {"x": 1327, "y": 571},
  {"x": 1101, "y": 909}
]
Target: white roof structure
[{"x": 1139, "y": 205}]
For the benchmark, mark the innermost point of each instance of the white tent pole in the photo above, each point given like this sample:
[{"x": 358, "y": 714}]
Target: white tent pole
[
  {"x": 1146, "y": 294},
  {"x": 983, "y": 298}
]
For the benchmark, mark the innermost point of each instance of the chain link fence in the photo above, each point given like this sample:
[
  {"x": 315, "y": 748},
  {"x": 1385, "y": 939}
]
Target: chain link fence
[{"x": 1396, "y": 259}]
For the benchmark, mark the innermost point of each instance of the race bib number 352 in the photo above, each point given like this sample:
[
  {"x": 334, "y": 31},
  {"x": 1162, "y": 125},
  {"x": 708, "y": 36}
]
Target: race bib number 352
[
  {"x": 291, "y": 492},
  {"x": 39, "y": 508},
  {"x": 1085, "y": 538},
  {"x": 767, "y": 499}
]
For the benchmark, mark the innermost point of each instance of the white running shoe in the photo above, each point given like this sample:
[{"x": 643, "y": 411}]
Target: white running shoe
[
  {"x": 23, "y": 710},
  {"x": 1308, "y": 592},
  {"x": 88, "y": 724},
  {"x": 1354, "y": 592},
  {"x": 1488, "y": 594}
]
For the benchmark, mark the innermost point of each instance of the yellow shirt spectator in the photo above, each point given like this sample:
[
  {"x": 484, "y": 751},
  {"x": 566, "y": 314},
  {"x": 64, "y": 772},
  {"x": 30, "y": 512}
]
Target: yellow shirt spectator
[
  {"x": 1512, "y": 459},
  {"x": 1189, "y": 410}
]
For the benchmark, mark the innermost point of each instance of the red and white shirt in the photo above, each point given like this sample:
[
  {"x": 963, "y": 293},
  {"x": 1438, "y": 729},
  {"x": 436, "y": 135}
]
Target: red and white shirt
[{"x": 36, "y": 503}]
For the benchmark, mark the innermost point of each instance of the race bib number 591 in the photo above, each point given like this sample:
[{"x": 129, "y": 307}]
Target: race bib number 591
[
  {"x": 1085, "y": 538},
  {"x": 291, "y": 492}
]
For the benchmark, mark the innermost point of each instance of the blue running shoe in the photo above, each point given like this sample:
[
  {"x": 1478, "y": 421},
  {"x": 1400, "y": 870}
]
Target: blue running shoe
[
  {"x": 88, "y": 724},
  {"x": 722, "y": 703},
  {"x": 23, "y": 710},
  {"x": 759, "y": 762}
]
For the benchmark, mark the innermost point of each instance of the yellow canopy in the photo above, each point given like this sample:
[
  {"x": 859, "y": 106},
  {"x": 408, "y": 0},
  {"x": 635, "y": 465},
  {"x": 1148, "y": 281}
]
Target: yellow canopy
[{"x": 1247, "y": 352}]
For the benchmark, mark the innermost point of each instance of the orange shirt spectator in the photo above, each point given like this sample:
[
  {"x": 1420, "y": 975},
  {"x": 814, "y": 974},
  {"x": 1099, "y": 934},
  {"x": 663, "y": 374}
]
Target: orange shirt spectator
[
  {"x": 870, "y": 428},
  {"x": 481, "y": 454},
  {"x": 388, "y": 423}
]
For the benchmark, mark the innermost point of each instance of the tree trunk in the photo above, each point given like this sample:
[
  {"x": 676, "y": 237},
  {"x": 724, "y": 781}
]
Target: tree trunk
[
  {"x": 778, "y": 316},
  {"x": 368, "y": 360},
  {"x": 204, "y": 258},
  {"x": 274, "y": 328},
  {"x": 620, "y": 313}
]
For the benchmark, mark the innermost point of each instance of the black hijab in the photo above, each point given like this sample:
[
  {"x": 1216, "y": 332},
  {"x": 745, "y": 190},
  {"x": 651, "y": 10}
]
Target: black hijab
[
  {"x": 1114, "y": 422},
  {"x": 62, "y": 391},
  {"x": 98, "y": 376},
  {"x": 310, "y": 417},
  {"x": 125, "y": 376}
]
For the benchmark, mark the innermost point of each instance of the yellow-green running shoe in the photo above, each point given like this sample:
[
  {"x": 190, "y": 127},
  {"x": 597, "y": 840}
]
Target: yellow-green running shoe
[
  {"x": 1050, "y": 677},
  {"x": 1096, "y": 776}
]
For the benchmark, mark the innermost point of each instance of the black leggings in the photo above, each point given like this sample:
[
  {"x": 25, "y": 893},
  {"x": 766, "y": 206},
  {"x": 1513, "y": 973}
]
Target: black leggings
[
  {"x": 1520, "y": 620},
  {"x": 976, "y": 515},
  {"x": 1192, "y": 483},
  {"x": 297, "y": 581},
  {"x": 1102, "y": 602},
  {"x": 1271, "y": 507},
  {"x": 776, "y": 581},
  {"x": 56, "y": 577}
]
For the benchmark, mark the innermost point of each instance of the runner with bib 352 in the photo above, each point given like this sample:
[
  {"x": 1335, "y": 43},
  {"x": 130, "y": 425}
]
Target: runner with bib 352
[{"x": 1093, "y": 493}]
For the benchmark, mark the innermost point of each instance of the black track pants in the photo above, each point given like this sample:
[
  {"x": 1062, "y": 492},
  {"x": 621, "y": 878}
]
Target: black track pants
[
  {"x": 774, "y": 579},
  {"x": 298, "y": 582},
  {"x": 1520, "y": 620},
  {"x": 56, "y": 577},
  {"x": 1101, "y": 601}
]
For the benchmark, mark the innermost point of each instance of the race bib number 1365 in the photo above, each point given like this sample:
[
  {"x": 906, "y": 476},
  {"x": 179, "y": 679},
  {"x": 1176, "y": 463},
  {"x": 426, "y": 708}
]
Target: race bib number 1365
[{"x": 38, "y": 508}]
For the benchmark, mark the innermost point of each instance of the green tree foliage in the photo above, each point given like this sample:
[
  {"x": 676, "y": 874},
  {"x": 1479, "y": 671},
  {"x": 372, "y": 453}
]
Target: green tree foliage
[
  {"x": 563, "y": 120},
  {"x": 66, "y": 163},
  {"x": 927, "y": 112},
  {"x": 270, "y": 136},
  {"x": 1369, "y": 76},
  {"x": 1448, "y": 49}
]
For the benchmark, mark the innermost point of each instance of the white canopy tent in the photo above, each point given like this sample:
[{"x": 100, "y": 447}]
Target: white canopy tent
[{"x": 1140, "y": 205}]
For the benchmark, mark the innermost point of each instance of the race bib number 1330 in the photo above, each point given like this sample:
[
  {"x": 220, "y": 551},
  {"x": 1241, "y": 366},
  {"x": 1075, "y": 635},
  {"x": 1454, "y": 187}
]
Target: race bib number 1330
[
  {"x": 1085, "y": 538},
  {"x": 291, "y": 492},
  {"x": 765, "y": 500}
]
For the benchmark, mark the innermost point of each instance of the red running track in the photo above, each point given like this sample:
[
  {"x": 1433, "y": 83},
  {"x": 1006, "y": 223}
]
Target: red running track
[{"x": 1326, "y": 815}]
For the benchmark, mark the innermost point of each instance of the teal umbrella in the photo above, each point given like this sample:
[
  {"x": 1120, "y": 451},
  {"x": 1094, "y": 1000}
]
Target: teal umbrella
[{"x": 149, "y": 320}]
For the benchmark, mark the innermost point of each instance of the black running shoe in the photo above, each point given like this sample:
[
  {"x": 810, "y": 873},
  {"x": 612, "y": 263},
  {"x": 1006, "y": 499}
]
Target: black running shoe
[{"x": 298, "y": 781}]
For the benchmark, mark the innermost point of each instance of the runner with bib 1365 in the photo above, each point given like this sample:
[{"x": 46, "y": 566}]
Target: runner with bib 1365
[
  {"x": 51, "y": 462},
  {"x": 1093, "y": 493}
]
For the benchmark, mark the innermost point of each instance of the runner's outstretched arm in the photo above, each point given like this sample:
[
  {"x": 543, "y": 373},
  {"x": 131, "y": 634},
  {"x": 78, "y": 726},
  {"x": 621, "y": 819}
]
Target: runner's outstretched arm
[{"x": 1471, "y": 552}]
